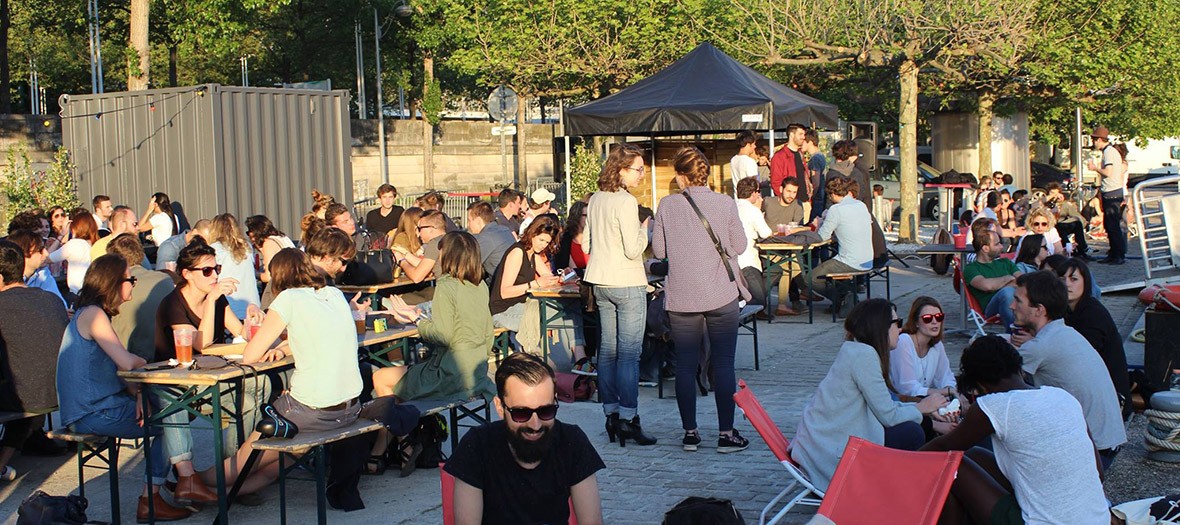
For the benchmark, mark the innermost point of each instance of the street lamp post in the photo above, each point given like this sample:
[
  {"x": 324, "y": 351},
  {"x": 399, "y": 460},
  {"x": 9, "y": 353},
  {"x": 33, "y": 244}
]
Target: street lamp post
[{"x": 402, "y": 10}]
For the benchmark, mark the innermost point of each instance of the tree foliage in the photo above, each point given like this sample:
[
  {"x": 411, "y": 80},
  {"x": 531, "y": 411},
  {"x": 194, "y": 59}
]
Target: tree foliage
[{"x": 26, "y": 189}]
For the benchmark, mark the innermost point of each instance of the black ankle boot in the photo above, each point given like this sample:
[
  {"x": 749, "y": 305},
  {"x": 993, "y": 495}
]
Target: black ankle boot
[
  {"x": 633, "y": 431},
  {"x": 612, "y": 425}
]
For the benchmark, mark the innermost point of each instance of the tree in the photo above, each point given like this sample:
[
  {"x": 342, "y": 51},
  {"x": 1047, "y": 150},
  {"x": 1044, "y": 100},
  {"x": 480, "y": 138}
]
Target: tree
[{"x": 139, "y": 61}]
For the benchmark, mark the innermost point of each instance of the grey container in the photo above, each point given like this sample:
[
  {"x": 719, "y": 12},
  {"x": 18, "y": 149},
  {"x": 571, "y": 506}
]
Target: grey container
[{"x": 212, "y": 149}]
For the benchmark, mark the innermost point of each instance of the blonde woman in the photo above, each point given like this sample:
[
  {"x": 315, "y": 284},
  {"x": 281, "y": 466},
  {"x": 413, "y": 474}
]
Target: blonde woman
[
  {"x": 1042, "y": 221},
  {"x": 236, "y": 258}
]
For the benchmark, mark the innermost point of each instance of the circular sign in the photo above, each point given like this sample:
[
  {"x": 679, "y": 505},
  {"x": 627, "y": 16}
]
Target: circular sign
[{"x": 502, "y": 103}]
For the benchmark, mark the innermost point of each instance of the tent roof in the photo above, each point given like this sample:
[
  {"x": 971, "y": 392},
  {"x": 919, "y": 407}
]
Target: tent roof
[{"x": 704, "y": 91}]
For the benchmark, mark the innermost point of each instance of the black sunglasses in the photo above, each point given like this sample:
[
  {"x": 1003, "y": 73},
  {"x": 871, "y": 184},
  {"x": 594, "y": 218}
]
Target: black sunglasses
[
  {"x": 207, "y": 270},
  {"x": 523, "y": 415},
  {"x": 131, "y": 280},
  {"x": 897, "y": 322}
]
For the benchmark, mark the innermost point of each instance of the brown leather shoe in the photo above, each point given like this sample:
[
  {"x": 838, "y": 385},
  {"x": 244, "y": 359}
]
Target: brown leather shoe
[
  {"x": 164, "y": 511},
  {"x": 192, "y": 489},
  {"x": 786, "y": 310}
]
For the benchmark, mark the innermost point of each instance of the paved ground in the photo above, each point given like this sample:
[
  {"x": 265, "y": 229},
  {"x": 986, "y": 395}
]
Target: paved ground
[{"x": 640, "y": 483}]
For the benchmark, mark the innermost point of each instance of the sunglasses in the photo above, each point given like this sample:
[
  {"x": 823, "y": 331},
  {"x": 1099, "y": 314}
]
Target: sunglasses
[
  {"x": 420, "y": 228},
  {"x": 345, "y": 260},
  {"x": 523, "y": 415},
  {"x": 1040, "y": 224},
  {"x": 131, "y": 280},
  {"x": 897, "y": 322},
  {"x": 928, "y": 318},
  {"x": 207, "y": 271}
]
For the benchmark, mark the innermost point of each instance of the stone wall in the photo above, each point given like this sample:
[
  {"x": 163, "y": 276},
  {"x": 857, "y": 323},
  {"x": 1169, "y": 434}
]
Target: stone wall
[{"x": 31, "y": 130}]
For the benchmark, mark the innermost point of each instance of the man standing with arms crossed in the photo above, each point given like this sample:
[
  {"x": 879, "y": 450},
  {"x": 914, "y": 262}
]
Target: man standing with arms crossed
[{"x": 1110, "y": 169}]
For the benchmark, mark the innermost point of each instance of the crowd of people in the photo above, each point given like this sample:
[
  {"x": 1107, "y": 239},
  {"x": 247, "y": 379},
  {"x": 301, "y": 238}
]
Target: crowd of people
[{"x": 102, "y": 293}]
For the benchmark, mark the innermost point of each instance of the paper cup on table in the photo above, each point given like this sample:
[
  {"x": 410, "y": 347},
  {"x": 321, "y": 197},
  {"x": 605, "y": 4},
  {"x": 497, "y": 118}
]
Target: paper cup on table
[
  {"x": 358, "y": 318},
  {"x": 183, "y": 339}
]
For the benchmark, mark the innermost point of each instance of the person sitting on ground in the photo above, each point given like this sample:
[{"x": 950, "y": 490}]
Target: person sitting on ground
[
  {"x": 749, "y": 208},
  {"x": 571, "y": 251},
  {"x": 92, "y": 399},
  {"x": 136, "y": 322},
  {"x": 158, "y": 219},
  {"x": 420, "y": 266},
  {"x": 991, "y": 279},
  {"x": 123, "y": 220},
  {"x": 1070, "y": 222},
  {"x": 36, "y": 271},
  {"x": 786, "y": 210},
  {"x": 540, "y": 203},
  {"x": 167, "y": 253},
  {"x": 435, "y": 200},
  {"x": 1043, "y": 469},
  {"x": 508, "y": 207},
  {"x": 918, "y": 364},
  {"x": 854, "y": 398},
  {"x": 1040, "y": 220},
  {"x": 528, "y": 467},
  {"x": 267, "y": 241},
  {"x": 384, "y": 219},
  {"x": 1090, "y": 318},
  {"x": 459, "y": 328},
  {"x": 32, "y": 322},
  {"x": 76, "y": 251},
  {"x": 1056, "y": 355},
  {"x": 235, "y": 256},
  {"x": 321, "y": 338},
  {"x": 1032, "y": 252},
  {"x": 849, "y": 221}
]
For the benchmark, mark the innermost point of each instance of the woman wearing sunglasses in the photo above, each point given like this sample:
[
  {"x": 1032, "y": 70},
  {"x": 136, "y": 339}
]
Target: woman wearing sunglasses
[
  {"x": 200, "y": 301},
  {"x": 1042, "y": 221},
  {"x": 855, "y": 399},
  {"x": 919, "y": 364}
]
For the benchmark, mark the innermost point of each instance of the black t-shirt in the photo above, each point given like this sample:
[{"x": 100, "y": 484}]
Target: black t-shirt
[
  {"x": 32, "y": 322},
  {"x": 377, "y": 223},
  {"x": 174, "y": 310},
  {"x": 527, "y": 273},
  {"x": 513, "y": 494}
]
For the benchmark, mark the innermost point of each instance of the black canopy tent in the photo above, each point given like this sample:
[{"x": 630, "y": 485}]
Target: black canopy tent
[{"x": 704, "y": 91}]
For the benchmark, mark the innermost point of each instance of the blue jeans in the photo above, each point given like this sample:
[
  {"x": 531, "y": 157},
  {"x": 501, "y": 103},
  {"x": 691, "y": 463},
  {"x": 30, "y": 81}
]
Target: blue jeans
[
  {"x": 120, "y": 422},
  {"x": 689, "y": 330},
  {"x": 1001, "y": 303},
  {"x": 178, "y": 436},
  {"x": 623, "y": 314}
]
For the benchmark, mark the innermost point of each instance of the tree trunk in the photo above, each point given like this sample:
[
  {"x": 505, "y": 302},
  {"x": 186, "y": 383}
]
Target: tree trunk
[
  {"x": 908, "y": 138},
  {"x": 5, "y": 22},
  {"x": 173, "y": 58},
  {"x": 427, "y": 127},
  {"x": 987, "y": 102},
  {"x": 139, "y": 62},
  {"x": 522, "y": 164}
]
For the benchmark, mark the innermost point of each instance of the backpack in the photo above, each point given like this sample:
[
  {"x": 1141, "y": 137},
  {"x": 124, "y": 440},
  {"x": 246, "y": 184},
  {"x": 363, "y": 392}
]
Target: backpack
[
  {"x": 431, "y": 432},
  {"x": 695, "y": 510}
]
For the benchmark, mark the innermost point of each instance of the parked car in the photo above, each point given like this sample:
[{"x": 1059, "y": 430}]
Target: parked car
[{"x": 887, "y": 175}]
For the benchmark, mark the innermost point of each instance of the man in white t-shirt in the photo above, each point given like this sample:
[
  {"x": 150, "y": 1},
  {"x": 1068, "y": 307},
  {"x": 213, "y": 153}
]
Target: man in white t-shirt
[
  {"x": 1044, "y": 469},
  {"x": 744, "y": 164},
  {"x": 749, "y": 206},
  {"x": 103, "y": 208},
  {"x": 1113, "y": 182}
]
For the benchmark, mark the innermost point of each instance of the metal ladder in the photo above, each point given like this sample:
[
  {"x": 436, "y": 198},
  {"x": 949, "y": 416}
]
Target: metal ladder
[{"x": 1157, "y": 203}]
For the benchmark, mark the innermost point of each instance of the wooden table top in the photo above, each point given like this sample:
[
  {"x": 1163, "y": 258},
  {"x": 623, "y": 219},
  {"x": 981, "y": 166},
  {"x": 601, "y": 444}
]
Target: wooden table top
[
  {"x": 565, "y": 291},
  {"x": 394, "y": 332},
  {"x": 769, "y": 245},
  {"x": 181, "y": 376},
  {"x": 374, "y": 288}
]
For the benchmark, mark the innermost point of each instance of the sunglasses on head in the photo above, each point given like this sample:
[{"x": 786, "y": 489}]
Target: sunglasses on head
[
  {"x": 207, "y": 271},
  {"x": 523, "y": 415},
  {"x": 897, "y": 322},
  {"x": 928, "y": 318}
]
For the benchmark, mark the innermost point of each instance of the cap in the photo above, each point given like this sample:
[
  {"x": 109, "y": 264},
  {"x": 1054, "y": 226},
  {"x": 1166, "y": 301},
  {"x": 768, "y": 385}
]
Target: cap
[
  {"x": 1101, "y": 132},
  {"x": 542, "y": 195}
]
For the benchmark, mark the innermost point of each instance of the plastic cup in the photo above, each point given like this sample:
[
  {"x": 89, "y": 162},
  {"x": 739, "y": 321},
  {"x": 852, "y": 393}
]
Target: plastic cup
[
  {"x": 252, "y": 327},
  {"x": 782, "y": 228},
  {"x": 358, "y": 318},
  {"x": 792, "y": 225},
  {"x": 183, "y": 339}
]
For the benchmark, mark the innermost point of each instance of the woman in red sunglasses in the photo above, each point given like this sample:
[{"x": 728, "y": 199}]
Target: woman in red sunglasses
[{"x": 919, "y": 364}]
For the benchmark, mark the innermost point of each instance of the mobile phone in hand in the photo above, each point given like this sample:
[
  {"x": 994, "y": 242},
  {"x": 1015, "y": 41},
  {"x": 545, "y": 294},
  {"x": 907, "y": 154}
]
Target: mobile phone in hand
[{"x": 569, "y": 276}]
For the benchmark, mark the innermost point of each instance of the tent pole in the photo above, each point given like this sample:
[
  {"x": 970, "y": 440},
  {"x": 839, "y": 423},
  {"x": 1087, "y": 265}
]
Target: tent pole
[
  {"x": 566, "y": 143},
  {"x": 654, "y": 198}
]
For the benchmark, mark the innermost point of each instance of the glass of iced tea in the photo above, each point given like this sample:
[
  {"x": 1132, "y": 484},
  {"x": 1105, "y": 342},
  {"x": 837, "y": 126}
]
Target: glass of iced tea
[
  {"x": 183, "y": 339},
  {"x": 358, "y": 317}
]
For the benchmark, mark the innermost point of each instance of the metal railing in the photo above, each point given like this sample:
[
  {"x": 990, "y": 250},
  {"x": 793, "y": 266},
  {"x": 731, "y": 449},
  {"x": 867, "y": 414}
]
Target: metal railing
[{"x": 456, "y": 202}]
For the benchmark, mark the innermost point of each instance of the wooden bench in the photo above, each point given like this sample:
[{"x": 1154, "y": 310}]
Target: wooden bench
[
  {"x": 92, "y": 447},
  {"x": 477, "y": 409},
  {"x": 306, "y": 451},
  {"x": 853, "y": 278},
  {"x": 747, "y": 321}
]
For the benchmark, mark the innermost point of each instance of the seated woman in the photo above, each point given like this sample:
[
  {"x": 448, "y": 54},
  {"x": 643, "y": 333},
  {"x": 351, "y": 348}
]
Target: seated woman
[
  {"x": 1090, "y": 318},
  {"x": 236, "y": 258},
  {"x": 458, "y": 327},
  {"x": 267, "y": 241},
  {"x": 854, "y": 398},
  {"x": 1041, "y": 220},
  {"x": 321, "y": 337},
  {"x": 919, "y": 364},
  {"x": 1044, "y": 469},
  {"x": 406, "y": 234},
  {"x": 1032, "y": 251},
  {"x": 91, "y": 397}
]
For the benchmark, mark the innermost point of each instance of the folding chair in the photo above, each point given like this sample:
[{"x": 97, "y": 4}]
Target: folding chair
[
  {"x": 872, "y": 482},
  {"x": 974, "y": 310},
  {"x": 447, "y": 484},
  {"x": 778, "y": 444}
]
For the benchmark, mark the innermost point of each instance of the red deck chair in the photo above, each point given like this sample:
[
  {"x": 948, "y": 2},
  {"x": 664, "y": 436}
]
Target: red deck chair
[
  {"x": 974, "y": 310},
  {"x": 874, "y": 484},
  {"x": 447, "y": 483},
  {"x": 800, "y": 486}
]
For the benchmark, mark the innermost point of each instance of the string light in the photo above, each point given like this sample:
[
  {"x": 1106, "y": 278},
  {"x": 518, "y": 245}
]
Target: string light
[{"x": 151, "y": 105}]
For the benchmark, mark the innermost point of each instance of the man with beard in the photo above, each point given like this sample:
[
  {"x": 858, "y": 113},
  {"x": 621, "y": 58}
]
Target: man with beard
[{"x": 525, "y": 468}]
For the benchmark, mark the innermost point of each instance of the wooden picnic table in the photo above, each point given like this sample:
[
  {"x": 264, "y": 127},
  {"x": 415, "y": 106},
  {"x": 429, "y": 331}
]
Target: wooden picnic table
[
  {"x": 399, "y": 282},
  {"x": 776, "y": 253}
]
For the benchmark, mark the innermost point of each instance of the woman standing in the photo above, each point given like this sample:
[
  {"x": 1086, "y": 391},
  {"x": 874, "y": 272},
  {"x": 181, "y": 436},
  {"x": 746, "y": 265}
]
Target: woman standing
[
  {"x": 236, "y": 259},
  {"x": 1032, "y": 251},
  {"x": 616, "y": 239},
  {"x": 703, "y": 288},
  {"x": 321, "y": 337},
  {"x": 919, "y": 364},
  {"x": 91, "y": 397},
  {"x": 76, "y": 251},
  {"x": 1090, "y": 318},
  {"x": 159, "y": 219},
  {"x": 854, "y": 398},
  {"x": 267, "y": 240}
]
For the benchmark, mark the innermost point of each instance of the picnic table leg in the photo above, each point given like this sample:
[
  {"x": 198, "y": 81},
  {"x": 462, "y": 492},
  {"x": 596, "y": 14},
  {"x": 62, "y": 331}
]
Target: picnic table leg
[
  {"x": 147, "y": 454},
  {"x": 113, "y": 477},
  {"x": 282, "y": 490},
  {"x": 807, "y": 267},
  {"x": 544, "y": 330},
  {"x": 218, "y": 445},
  {"x": 239, "y": 410},
  {"x": 769, "y": 265},
  {"x": 318, "y": 454}
]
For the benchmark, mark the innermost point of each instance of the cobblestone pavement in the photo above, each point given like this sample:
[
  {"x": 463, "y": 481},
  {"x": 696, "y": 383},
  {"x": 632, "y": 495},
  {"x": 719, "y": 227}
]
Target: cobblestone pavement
[{"x": 640, "y": 483}]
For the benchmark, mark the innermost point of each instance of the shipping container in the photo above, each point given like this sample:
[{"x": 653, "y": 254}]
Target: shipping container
[{"x": 212, "y": 149}]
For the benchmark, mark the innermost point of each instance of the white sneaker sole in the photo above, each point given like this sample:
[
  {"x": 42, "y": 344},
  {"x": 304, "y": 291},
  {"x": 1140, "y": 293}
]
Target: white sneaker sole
[
  {"x": 731, "y": 450},
  {"x": 583, "y": 373}
]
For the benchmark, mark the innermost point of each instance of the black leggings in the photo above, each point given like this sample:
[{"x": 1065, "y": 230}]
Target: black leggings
[{"x": 689, "y": 331}]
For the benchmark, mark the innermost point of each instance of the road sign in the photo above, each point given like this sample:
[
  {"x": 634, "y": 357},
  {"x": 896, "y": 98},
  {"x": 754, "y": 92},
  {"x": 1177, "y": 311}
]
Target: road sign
[
  {"x": 502, "y": 103},
  {"x": 503, "y": 130}
]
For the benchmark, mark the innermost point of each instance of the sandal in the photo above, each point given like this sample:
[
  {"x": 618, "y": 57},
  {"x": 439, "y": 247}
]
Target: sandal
[{"x": 375, "y": 466}]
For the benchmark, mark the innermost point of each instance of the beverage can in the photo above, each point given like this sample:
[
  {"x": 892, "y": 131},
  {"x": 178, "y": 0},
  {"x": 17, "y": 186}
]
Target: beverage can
[{"x": 380, "y": 325}]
